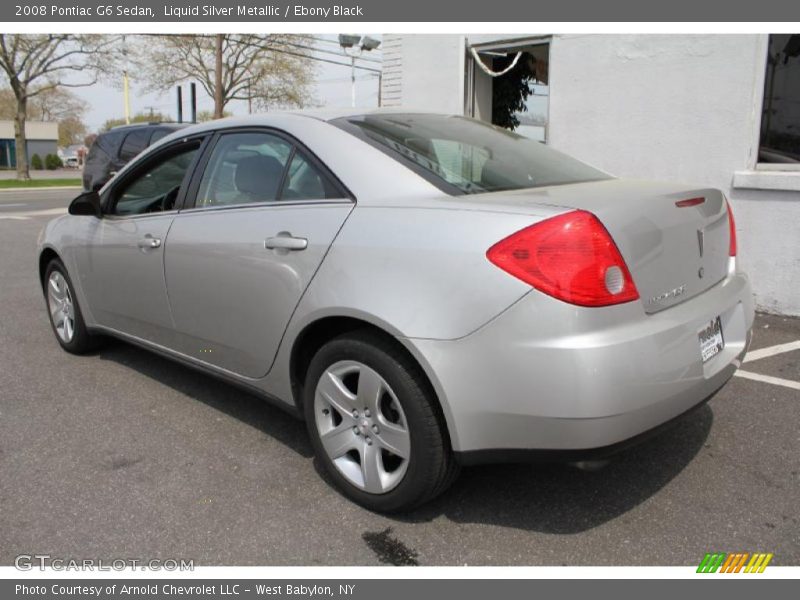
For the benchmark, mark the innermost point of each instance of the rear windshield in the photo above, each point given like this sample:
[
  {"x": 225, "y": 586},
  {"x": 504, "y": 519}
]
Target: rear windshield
[{"x": 461, "y": 155}]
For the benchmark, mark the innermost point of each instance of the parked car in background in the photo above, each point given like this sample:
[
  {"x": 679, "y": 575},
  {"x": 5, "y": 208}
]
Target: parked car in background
[
  {"x": 425, "y": 290},
  {"x": 113, "y": 149}
]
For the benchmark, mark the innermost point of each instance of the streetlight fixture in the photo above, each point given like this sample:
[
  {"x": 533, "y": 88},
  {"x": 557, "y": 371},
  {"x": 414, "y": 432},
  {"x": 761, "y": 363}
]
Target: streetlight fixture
[{"x": 354, "y": 46}]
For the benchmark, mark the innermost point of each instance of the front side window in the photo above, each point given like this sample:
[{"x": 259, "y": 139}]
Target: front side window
[
  {"x": 780, "y": 117},
  {"x": 156, "y": 189},
  {"x": 244, "y": 168},
  {"x": 462, "y": 155}
]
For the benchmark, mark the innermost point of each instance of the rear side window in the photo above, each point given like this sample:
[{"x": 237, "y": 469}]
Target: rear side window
[
  {"x": 135, "y": 142},
  {"x": 305, "y": 182},
  {"x": 466, "y": 156}
]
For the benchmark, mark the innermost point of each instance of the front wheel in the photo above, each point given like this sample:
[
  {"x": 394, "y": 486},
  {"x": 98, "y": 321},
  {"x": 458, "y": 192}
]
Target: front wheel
[
  {"x": 65, "y": 313},
  {"x": 375, "y": 425}
]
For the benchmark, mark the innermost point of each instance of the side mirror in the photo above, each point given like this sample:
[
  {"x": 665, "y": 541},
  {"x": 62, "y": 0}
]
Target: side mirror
[{"x": 87, "y": 204}]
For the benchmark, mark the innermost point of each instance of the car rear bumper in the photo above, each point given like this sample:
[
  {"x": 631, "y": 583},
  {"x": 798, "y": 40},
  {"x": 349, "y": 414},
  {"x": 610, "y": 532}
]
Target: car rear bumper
[{"x": 549, "y": 376}]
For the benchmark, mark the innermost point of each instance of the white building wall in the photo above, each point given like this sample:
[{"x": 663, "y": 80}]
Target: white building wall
[
  {"x": 34, "y": 130},
  {"x": 424, "y": 71},
  {"x": 685, "y": 108}
]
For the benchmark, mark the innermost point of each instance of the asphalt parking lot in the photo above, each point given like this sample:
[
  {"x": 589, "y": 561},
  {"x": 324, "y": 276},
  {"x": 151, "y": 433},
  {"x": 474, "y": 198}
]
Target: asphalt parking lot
[{"x": 124, "y": 454}]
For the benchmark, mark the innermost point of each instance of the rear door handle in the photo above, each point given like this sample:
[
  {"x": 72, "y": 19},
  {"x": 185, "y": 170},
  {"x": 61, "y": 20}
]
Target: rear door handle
[
  {"x": 149, "y": 242},
  {"x": 283, "y": 241}
]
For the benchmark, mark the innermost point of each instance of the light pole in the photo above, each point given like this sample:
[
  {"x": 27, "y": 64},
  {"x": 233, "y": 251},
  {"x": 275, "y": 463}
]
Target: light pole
[{"x": 354, "y": 46}]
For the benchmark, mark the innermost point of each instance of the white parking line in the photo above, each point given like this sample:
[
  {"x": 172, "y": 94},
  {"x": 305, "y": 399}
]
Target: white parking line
[
  {"x": 766, "y": 353},
  {"x": 771, "y": 351},
  {"x": 5, "y": 205},
  {"x": 768, "y": 379}
]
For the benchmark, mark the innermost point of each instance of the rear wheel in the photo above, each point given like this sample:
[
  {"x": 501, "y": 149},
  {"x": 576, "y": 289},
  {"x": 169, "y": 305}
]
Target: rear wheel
[
  {"x": 65, "y": 313},
  {"x": 374, "y": 424}
]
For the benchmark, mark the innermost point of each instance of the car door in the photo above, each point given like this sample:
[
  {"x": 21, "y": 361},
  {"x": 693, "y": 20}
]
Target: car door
[
  {"x": 120, "y": 259},
  {"x": 237, "y": 262}
]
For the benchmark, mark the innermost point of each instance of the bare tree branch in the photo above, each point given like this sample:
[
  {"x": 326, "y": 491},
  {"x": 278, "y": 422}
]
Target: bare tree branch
[
  {"x": 253, "y": 67},
  {"x": 34, "y": 65}
]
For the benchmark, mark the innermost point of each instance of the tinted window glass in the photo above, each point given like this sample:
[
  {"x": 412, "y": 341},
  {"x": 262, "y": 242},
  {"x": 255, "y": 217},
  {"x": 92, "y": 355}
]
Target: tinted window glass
[
  {"x": 305, "y": 182},
  {"x": 244, "y": 168},
  {"x": 157, "y": 188},
  {"x": 158, "y": 134},
  {"x": 780, "y": 118},
  {"x": 135, "y": 142},
  {"x": 110, "y": 141},
  {"x": 467, "y": 156}
]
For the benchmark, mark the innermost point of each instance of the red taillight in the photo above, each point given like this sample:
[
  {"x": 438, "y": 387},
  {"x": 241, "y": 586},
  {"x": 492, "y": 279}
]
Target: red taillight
[
  {"x": 732, "y": 228},
  {"x": 570, "y": 257}
]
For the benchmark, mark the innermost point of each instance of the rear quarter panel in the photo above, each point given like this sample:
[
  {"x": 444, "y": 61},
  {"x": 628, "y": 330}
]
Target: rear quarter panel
[{"x": 423, "y": 272}]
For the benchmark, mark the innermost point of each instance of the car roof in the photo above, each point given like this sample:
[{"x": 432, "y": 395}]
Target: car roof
[
  {"x": 319, "y": 114},
  {"x": 165, "y": 124}
]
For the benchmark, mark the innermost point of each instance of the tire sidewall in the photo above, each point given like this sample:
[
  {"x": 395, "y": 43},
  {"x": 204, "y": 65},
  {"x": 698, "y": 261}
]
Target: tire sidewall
[{"x": 410, "y": 393}]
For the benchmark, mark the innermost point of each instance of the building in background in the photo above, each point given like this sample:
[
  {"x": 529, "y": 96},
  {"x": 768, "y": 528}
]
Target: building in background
[
  {"x": 716, "y": 110},
  {"x": 42, "y": 140}
]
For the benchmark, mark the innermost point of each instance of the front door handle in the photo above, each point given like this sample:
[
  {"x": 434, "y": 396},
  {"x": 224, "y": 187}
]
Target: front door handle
[
  {"x": 148, "y": 242},
  {"x": 285, "y": 241}
]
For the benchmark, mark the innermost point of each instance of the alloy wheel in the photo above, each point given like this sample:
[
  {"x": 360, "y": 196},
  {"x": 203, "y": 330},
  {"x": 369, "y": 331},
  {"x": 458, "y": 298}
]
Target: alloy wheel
[
  {"x": 62, "y": 308},
  {"x": 362, "y": 426}
]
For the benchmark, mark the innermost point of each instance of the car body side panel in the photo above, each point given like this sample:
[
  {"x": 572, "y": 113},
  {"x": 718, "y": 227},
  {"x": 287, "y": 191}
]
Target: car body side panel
[
  {"x": 232, "y": 297},
  {"x": 423, "y": 271}
]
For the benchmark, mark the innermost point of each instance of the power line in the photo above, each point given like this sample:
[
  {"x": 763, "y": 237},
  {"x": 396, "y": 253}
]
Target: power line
[
  {"x": 313, "y": 49},
  {"x": 326, "y": 60}
]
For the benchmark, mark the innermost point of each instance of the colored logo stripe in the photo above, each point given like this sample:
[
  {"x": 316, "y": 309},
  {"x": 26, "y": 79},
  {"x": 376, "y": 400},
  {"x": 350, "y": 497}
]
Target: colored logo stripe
[
  {"x": 711, "y": 562},
  {"x": 758, "y": 563},
  {"x": 733, "y": 563}
]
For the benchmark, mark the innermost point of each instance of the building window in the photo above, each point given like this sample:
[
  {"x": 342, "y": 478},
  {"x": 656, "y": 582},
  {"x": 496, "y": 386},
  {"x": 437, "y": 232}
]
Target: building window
[
  {"x": 507, "y": 85},
  {"x": 780, "y": 117}
]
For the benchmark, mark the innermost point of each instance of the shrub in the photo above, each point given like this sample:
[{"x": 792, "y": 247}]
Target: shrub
[
  {"x": 36, "y": 162},
  {"x": 52, "y": 162}
]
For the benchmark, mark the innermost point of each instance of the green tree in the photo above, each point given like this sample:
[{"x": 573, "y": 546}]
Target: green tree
[
  {"x": 56, "y": 104},
  {"x": 36, "y": 162}
]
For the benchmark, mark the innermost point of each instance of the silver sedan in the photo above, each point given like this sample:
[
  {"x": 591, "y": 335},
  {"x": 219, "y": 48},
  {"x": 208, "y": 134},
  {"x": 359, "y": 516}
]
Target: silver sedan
[{"x": 426, "y": 291}]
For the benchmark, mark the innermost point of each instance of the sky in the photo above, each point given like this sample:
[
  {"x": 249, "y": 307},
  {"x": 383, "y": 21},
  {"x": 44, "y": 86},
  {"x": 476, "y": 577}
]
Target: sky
[{"x": 331, "y": 88}]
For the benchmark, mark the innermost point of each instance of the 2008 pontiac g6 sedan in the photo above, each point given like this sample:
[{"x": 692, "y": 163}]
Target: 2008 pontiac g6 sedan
[{"x": 426, "y": 291}]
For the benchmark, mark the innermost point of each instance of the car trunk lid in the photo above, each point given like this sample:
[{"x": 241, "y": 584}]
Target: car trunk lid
[{"x": 674, "y": 238}]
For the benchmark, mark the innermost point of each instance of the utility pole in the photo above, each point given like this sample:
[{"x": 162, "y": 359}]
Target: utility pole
[
  {"x": 193, "y": 100},
  {"x": 218, "y": 78},
  {"x": 180, "y": 104},
  {"x": 126, "y": 91}
]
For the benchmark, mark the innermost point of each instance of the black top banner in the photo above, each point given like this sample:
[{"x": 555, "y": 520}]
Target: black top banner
[{"x": 496, "y": 11}]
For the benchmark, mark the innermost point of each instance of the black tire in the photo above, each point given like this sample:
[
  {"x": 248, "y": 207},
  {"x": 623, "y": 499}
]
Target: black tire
[
  {"x": 431, "y": 465},
  {"x": 82, "y": 341}
]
